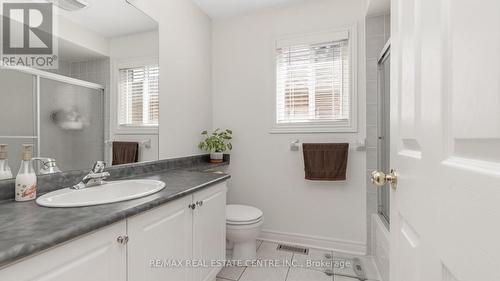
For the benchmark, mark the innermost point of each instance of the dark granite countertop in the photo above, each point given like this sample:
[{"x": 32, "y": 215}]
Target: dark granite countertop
[{"x": 27, "y": 228}]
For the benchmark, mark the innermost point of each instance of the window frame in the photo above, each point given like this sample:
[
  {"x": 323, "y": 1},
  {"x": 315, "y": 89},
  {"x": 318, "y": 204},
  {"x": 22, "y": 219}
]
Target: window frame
[
  {"x": 349, "y": 126},
  {"x": 116, "y": 127}
]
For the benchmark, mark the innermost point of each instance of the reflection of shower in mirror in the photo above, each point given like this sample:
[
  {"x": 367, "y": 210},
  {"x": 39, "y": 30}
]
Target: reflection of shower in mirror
[{"x": 69, "y": 119}]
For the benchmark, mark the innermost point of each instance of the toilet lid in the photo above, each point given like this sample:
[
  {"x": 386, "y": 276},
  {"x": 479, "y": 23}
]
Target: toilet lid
[{"x": 242, "y": 213}]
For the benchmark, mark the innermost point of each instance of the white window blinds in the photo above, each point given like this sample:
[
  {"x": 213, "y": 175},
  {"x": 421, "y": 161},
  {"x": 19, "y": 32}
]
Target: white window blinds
[
  {"x": 138, "y": 93},
  {"x": 313, "y": 82}
]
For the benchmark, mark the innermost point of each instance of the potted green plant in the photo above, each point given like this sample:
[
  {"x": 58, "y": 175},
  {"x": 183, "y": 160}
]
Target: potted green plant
[{"x": 216, "y": 143}]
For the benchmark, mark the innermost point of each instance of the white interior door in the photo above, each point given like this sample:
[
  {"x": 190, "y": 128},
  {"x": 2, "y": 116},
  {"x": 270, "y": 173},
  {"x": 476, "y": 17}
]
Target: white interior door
[{"x": 445, "y": 140}]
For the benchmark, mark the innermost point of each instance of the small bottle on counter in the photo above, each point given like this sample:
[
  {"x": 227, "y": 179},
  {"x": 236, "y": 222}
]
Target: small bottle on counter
[
  {"x": 26, "y": 178},
  {"x": 5, "y": 172}
]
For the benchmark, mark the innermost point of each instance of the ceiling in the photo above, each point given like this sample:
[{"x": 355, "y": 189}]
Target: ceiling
[
  {"x": 111, "y": 18},
  {"x": 377, "y": 7},
  {"x": 227, "y": 8}
]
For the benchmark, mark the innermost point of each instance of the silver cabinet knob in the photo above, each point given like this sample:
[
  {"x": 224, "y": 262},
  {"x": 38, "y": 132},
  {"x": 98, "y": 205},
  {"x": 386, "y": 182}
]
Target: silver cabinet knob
[
  {"x": 199, "y": 203},
  {"x": 122, "y": 239},
  {"x": 192, "y": 206}
]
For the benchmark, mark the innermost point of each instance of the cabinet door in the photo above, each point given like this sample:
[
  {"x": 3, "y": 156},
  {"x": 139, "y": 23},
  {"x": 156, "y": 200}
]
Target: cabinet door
[
  {"x": 97, "y": 256},
  {"x": 159, "y": 239},
  {"x": 209, "y": 231}
]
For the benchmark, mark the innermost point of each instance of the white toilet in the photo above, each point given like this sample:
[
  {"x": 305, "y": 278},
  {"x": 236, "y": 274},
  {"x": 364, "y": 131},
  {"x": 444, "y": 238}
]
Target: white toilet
[{"x": 243, "y": 226}]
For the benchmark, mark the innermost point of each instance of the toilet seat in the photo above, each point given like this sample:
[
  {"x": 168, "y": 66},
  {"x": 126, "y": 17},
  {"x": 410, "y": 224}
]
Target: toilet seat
[
  {"x": 243, "y": 222},
  {"x": 242, "y": 215}
]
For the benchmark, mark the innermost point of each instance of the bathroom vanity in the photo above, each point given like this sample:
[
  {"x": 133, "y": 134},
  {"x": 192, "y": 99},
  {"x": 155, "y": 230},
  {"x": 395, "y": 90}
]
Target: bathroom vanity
[
  {"x": 100, "y": 104},
  {"x": 165, "y": 236}
]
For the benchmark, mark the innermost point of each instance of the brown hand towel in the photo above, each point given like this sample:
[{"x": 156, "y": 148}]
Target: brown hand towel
[
  {"x": 325, "y": 161},
  {"x": 125, "y": 152}
]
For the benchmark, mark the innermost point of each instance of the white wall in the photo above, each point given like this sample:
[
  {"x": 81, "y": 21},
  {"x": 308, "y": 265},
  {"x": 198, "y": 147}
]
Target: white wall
[
  {"x": 81, "y": 36},
  {"x": 137, "y": 45},
  {"x": 265, "y": 173},
  {"x": 185, "y": 74}
]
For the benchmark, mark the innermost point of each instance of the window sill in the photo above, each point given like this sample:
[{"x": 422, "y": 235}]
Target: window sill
[{"x": 136, "y": 130}]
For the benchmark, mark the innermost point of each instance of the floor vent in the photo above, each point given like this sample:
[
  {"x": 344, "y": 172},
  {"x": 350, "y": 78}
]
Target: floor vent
[{"x": 293, "y": 249}]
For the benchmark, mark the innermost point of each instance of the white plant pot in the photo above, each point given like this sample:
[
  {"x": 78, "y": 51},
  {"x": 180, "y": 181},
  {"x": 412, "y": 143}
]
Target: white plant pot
[{"x": 216, "y": 157}]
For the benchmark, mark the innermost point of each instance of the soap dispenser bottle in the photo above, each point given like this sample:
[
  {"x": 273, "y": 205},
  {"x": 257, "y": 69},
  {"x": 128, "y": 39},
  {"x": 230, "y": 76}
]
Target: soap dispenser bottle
[
  {"x": 5, "y": 172},
  {"x": 26, "y": 178}
]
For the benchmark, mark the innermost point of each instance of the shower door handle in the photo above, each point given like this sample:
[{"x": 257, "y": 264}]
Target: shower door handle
[{"x": 380, "y": 179}]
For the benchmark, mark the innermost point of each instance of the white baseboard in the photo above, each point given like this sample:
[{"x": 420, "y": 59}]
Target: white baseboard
[{"x": 318, "y": 242}]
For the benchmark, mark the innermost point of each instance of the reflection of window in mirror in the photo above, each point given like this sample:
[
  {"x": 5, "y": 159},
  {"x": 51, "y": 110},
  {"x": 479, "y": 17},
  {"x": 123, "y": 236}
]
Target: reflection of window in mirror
[{"x": 137, "y": 93}]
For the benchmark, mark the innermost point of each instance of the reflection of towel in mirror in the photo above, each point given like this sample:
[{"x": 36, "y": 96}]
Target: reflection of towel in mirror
[
  {"x": 125, "y": 152},
  {"x": 325, "y": 161}
]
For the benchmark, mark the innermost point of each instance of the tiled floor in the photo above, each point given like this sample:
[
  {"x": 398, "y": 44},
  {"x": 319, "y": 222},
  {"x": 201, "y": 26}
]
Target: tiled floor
[{"x": 309, "y": 267}]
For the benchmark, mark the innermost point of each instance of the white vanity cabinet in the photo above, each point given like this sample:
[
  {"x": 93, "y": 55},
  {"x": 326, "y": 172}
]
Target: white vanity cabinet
[
  {"x": 96, "y": 256},
  {"x": 189, "y": 230},
  {"x": 153, "y": 246},
  {"x": 158, "y": 237},
  {"x": 209, "y": 231}
]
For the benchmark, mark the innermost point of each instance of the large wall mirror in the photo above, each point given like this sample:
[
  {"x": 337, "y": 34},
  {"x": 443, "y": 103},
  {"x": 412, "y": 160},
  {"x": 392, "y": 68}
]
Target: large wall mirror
[{"x": 100, "y": 103}]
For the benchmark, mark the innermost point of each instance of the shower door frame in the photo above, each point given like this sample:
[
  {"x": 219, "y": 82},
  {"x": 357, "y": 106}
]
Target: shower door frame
[
  {"x": 383, "y": 133},
  {"x": 37, "y": 76}
]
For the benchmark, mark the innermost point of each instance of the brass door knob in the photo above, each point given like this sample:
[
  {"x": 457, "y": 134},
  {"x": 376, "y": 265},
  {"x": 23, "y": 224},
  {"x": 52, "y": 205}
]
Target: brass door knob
[{"x": 380, "y": 178}]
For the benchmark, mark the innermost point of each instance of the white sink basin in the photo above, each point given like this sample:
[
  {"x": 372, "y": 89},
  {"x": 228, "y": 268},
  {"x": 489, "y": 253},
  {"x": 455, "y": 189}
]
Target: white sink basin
[{"x": 109, "y": 192}]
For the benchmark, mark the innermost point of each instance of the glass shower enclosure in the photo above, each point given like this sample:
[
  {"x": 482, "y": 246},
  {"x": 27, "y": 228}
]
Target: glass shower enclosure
[
  {"x": 62, "y": 117},
  {"x": 383, "y": 153}
]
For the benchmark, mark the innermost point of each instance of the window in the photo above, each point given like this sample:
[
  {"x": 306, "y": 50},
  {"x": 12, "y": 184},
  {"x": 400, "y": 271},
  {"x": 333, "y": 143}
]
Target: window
[
  {"x": 314, "y": 82},
  {"x": 138, "y": 96}
]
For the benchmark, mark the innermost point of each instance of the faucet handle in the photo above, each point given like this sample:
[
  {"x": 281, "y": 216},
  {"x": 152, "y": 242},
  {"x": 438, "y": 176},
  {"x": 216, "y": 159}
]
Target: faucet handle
[
  {"x": 98, "y": 167},
  {"x": 49, "y": 165}
]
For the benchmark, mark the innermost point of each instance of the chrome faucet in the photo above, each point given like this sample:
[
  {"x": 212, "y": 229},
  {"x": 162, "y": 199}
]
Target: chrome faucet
[
  {"x": 48, "y": 166},
  {"x": 95, "y": 177}
]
